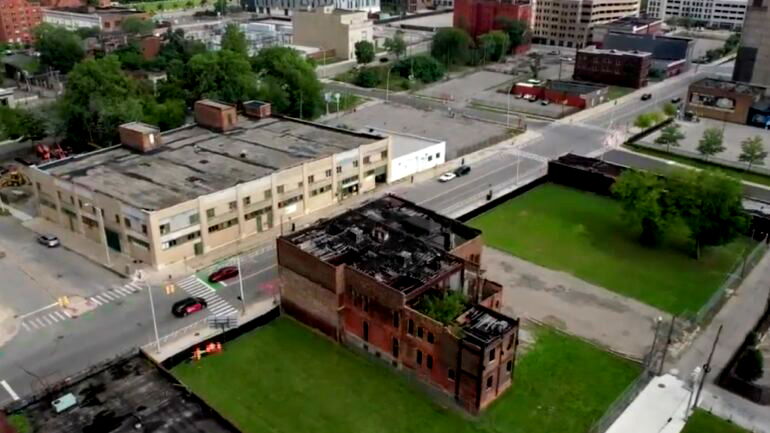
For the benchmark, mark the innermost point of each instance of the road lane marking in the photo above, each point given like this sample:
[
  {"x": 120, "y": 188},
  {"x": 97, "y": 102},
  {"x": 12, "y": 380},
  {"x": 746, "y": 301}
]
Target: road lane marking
[
  {"x": 39, "y": 310},
  {"x": 10, "y": 390},
  {"x": 103, "y": 300},
  {"x": 259, "y": 272}
]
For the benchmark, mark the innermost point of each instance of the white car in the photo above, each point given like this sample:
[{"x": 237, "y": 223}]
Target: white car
[
  {"x": 48, "y": 240},
  {"x": 446, "y": 177}
]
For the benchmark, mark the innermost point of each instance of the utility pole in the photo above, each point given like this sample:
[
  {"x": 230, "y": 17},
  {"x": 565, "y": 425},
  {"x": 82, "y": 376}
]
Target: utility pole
[
  {"x": 707, "y": 367},
  {"x": 665, "y": 348}
]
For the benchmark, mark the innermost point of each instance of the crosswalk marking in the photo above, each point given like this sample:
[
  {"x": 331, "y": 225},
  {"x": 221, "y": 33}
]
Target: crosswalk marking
[{"x": 216, "y": 304}]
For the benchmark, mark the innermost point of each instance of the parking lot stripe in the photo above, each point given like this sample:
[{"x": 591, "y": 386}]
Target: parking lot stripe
[{"x": 10, "y": 390}]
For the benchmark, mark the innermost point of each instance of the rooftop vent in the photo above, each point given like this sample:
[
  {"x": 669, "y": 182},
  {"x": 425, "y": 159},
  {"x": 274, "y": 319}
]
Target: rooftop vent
[
  {"x": 215, "y": 115},
  {"x": 257, "y": 109},
  {"x": 139, "y": 136}
]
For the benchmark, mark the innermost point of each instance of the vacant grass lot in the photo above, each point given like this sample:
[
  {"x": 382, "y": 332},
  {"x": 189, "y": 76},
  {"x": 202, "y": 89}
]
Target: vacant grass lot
[
  {"x": 584, "y": 234},
  {"x": 704, "y": 422},
  {"x": 285, "y": 378}
]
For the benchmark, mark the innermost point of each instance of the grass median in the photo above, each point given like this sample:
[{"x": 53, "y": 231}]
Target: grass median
[
  {"x": 585, "y": 235},
  {"x": 285, "y": 378}
]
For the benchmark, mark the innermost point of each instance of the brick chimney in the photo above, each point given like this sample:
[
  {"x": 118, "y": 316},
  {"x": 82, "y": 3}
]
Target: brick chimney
[
  {"x": 215, "y": 115},
  {"x": 257, "y": 109},
  {"x": 140, "y": 136}
]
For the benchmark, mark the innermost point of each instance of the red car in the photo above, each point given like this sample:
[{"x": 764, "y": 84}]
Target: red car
[
  {"x": 188, "y": 306},
  {"x": 223, "y": 274}
]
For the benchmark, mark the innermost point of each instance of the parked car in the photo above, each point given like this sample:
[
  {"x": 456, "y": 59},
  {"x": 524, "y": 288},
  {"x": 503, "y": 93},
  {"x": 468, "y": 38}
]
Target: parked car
[
  {"x": 188, "y": 306},
  {"x": 446, "y": 177},
  {"x": 545, "y": 102},
  {"x": 50, "y": 241},
  {"x": 224, "y": 273},
  {"x": 384, "y": 60},
  {"x": 462, "y": 170},
  {"x": 646, "y": 96},
  {"x": 676, "y": 100}
]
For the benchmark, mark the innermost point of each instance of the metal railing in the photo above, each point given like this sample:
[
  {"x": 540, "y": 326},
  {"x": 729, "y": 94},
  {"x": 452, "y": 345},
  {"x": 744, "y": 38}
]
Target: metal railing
[
  {"x": 202, "y": 323},
  {"x": 621, "y": 403}
]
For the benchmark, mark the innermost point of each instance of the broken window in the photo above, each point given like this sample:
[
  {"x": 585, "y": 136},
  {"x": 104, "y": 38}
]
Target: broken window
[
  {"x": 489, "y": 382},
  {"x": 450, "y": 374},
  {"x": 509, "y": 366},
  {"x": 430, "y": 337},
  {"x": 366, "y": 331},
  {"x": 394, "y": 347},
  {"x": 410, "y": 327},
  {"x": 419, "y": 332},
  {"x": 492, "y": 355},
  {"x": 396, "y": 319},
  {"x": 419, "y": 357},
  {"x": 429, "y": 362}
]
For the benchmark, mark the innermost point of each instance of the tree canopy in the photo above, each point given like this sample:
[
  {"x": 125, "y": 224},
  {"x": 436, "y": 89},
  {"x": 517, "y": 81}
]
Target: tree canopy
[
  {"x": 223, "y": 75},
  {"x": 646, "y": 202},
  {"x": 753, "y": 151},
  {"x": 396, "y": 45},
  {"x": 494, "y": 46},
  {"x": 364, "y": 52},
  {"x": 20, "y": 123},
  {"x": 670, "y": 136},
  {"x": 711, "y": 142},
  {"x": 516, "y": 29},
  {"x": 60, "y": 49},
  {"x": 421, "y": 67},
  {"x": 234, "y": 40},
  {"x": 289, "y": 82},
  {"x": 137, "y": 26},
  {"x": 451, "y": 46}
]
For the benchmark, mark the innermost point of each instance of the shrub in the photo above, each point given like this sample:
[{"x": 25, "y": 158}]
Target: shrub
[
  {"x": 367, "y": 77},
  {"x": 424, "y": 68}
]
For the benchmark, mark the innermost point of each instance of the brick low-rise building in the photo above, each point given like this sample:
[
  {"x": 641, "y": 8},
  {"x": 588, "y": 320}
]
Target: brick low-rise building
[
  {"x": 613, "y": 67},
  {"x": 18, "y": 18},
  {"x": 478, "y": 17},
  {"x": 571, "y": 93},
  {"x": 366, "y": 278},
  {"x": 724, "y": 100}
]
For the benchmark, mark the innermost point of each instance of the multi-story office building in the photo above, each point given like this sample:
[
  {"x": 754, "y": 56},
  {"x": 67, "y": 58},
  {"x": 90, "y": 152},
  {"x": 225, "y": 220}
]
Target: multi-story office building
[
  {"x": 723, "y": 14},
  {"x": 163, "y": 197},
  {"x": 481, "y": 16},
  {"x": 569, "y": 23},
  {"x": 287, "y": 7},
  {"x": 367, "y": 278},
  {"x": 753, "y": 62},
  {"x": 17, "y": 20},
  {"x": 329, "y": 28}
]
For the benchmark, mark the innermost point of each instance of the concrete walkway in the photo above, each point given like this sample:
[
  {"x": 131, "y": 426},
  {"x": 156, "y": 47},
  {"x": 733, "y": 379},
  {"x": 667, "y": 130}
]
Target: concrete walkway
[
  {"x": 738, "y": 317},
  {"x": 572, "y": 305},
  {"x": 659, "y": 408}
]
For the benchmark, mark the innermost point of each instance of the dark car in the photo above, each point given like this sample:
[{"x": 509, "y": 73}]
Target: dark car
[
  {"x": 462, "y": 170},
  {"x": 188, "y": 306},
  {"x": 646, "y": 96},
  {"x": 676, "y": 100},
  {"x": 222, "y": 274}
]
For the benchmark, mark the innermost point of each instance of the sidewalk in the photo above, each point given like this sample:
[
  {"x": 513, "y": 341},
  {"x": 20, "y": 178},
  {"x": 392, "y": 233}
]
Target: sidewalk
[
  {"x": 738, "y": 317},
  {"x": 659, "y": 408}
]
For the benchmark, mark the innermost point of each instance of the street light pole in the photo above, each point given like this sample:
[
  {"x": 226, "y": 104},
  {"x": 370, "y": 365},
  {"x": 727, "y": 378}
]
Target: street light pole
[
  {"x": 240, "y": 285},
  {"x": 387, "y": 84},
  {"x": 152, "y": 309}
]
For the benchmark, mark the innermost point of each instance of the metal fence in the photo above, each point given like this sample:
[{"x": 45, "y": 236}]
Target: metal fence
[
  {"x": 621, "y": 403},
  {"x": 740, "y": 269},
  {"x": 200, "y": 324}
]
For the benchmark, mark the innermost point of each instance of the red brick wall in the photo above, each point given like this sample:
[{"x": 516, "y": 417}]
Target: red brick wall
[
  {"x": 150, "y": 47},
  {"x": 17, "y": 20},
  {"x": 613, "y": 69},
  {"x": 308, "y": 302},
  {"x": 327, "y": 276},
  {"x": 479, "y": 16},
  {"x": 470, "y": 250},
  {"x": 210, "y": 116}
]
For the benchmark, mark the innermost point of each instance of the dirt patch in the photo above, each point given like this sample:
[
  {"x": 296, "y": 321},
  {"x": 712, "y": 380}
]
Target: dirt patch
[{"x": 572, "y": 305}]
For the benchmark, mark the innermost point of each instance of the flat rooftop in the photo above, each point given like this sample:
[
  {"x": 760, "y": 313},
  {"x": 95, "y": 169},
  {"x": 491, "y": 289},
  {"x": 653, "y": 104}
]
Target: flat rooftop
[
  {"x": 730, "y": 86},
  {"x": 403, "y": 143},
  {"x": 614, "y": 52},
  {"x": 630, "y": 22},
  {"x": 193, "y": 161},
  {"x": 391, "y": 240},
  {"x": 482, "y": 325},
  {"x": 115, "y": 399}
]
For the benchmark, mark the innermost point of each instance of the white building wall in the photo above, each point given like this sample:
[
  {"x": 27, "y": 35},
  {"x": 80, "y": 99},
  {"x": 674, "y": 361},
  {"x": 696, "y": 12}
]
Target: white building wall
[
  {"x": 727, "y": 14},
  {"x": 415, "y": 162},
  {"x": 71, "y": 20}
]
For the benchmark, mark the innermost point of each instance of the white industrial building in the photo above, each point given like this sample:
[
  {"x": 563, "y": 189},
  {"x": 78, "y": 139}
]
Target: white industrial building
[
  {"x": 412, "y": 154},
  {"x": 723, "y": 14}
]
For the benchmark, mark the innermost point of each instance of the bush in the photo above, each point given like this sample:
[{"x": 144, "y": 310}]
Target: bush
[
  {"x": 364, "y": 52},
  {"x": 424, "y": 68},
  {"x": 367, "y": 77},
  {"x": 749, "y": 366}
]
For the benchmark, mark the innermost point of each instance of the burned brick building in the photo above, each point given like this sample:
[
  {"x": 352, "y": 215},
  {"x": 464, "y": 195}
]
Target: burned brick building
[{"x": 404, "y": 284}]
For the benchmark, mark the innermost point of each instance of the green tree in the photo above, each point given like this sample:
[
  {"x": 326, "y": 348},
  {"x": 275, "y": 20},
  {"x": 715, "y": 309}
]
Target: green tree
[
  {"x": 750, "y": 365},
  {"x": 644, "y": 121},
  {"x": 452, "y": 46},
  {"x": 20, "y": 123},
  {"x": 137, "y": 26},
  {"x": 753, "y": 151},
  {"x": 534, "y": 64},
  {"x": 396, "y": 45},
  {"x": 130, "y": 57},
  {"x": 88, "y": 32},
  {"x": 234, "y": 40},
  {"x": 517, "y": 30},
  {"x": 494, "y": 45},
  {"x": 59, "y": 48},
  {"x": 421, "y": 67},
  {"x": 670, "y": 109},
  {"x": 165, "y": 115},
  {"x": 670, "y": 136},
  {"x": 443, "y": 307},
  {"x": 710, "y": 204},
  {"x": 222, "y": 75},
  {"x": 364, "y": 52},
  {"x": 290, "y": 80},
  {"x": 367, "y": 77},
  {"x": 711, "y": 142},
  {"x": 646, "y": 202},
  {"x": 97, "y": 98}
]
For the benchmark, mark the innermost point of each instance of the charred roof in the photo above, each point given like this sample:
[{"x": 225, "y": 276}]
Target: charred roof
[
  {"x": 392, "y": 240},
  {"x": 483, "y": 325}
]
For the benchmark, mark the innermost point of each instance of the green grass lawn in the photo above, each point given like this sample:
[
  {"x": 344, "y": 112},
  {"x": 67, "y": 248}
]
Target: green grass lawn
[
  {"x": 20, "y": 423},
  {"x": 585, "y": 235},
  {"x": 284, "y": 378},
  {"x": 615, "y": 92},
  {"x": 697, "y": 163},
  {"x": 704, "y": 422}
]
